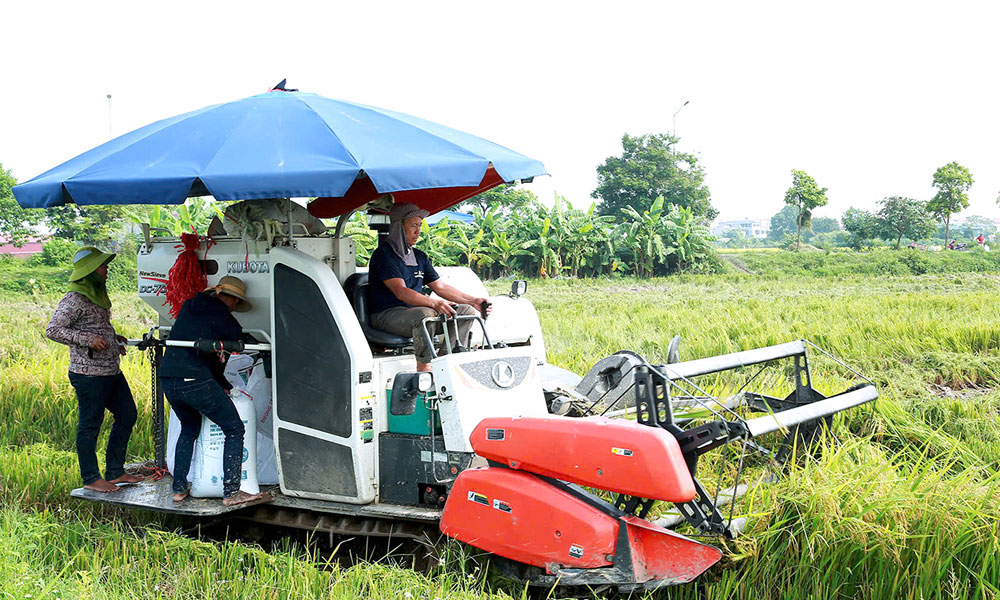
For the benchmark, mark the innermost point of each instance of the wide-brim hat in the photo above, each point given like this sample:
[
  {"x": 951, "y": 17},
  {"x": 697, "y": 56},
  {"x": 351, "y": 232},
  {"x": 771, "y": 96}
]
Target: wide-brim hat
[
  {"x": 235, "y": 287},
  {"x": 86, "y": 260}
]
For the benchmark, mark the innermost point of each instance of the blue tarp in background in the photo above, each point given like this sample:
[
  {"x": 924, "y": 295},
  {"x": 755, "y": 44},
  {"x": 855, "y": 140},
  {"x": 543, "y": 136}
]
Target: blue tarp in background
[{"x": 451, "y": 215}]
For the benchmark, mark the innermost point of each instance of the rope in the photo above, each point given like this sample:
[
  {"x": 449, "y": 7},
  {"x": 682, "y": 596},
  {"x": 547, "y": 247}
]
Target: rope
[{"x": 158, "y": 473}]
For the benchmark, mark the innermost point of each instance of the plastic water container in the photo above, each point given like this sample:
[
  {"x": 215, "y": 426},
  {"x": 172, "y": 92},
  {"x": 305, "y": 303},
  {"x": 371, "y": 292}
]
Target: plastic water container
[{"x": 419, "y": 423}]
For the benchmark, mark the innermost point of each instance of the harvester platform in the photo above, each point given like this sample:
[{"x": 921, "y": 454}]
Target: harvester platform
[{"x": 156, "y": 496}]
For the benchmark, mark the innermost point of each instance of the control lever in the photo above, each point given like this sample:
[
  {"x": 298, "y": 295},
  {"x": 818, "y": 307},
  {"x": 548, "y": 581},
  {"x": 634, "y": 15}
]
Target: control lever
[{"x": 458, "y": 347}]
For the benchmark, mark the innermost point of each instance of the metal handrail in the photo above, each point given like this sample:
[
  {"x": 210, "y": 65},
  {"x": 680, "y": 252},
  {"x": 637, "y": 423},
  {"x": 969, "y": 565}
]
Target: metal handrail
[
  {"x": 443, "y": 319},
  {"x": 190, "y": 344}
]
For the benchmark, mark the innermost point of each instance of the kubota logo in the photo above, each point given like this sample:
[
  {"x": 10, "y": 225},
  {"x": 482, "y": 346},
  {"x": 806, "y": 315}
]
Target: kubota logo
[
  {"x": 247, "y": 266},
  {"x": 502, "y": 374}
]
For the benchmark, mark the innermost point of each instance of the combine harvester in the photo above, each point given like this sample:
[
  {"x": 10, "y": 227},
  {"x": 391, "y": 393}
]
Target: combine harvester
[{"x": 495, "y": 448}]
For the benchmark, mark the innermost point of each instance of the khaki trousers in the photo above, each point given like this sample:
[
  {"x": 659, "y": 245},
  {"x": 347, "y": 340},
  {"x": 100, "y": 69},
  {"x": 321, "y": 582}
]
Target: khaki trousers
[{"x": 405, "y": 321}]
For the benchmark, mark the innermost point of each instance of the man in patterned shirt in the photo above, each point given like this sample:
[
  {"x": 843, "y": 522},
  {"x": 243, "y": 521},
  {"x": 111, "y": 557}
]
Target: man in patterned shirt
[{"x": 82, "y": 321}]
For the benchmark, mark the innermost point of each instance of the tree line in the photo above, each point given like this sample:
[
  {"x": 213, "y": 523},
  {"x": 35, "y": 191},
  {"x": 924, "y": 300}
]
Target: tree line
[
  {"x": 650, "y": 216},
  {"x": 896, "y": 217},
  {"x": 540, "y": 241}
]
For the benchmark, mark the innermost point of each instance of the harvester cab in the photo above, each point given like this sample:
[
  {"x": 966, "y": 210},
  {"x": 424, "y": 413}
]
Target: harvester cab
[{"x": 494, "y": 447}]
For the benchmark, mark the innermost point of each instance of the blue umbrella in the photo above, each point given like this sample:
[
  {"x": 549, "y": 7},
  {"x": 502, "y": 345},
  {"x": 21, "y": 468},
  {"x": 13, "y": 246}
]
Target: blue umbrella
[{"x": 283, "y": 144}]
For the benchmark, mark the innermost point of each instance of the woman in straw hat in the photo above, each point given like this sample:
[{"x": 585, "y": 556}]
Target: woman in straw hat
[
  {"x": 82, "y": 321},
  {"x": 195, "y": 384}
]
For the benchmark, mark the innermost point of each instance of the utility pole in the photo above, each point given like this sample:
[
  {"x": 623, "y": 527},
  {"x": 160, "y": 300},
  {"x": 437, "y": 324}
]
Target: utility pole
[
  {"x": 109, "y": 117},
  {"x": 674, "y": 132}
]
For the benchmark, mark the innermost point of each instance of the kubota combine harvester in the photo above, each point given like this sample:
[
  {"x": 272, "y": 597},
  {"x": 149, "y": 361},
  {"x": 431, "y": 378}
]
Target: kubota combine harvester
[{"x": 496, "y": 447}]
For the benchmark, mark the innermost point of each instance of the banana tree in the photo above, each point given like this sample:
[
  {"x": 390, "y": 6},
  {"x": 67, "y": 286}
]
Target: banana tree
[
  {"x": 585, "y": 235},
  {"x": 365, "y": 239},
  {"x": 543, "y": 249},
  {"x": 503, "y": 252},
  {"x": 644, "y": 235},
  {"x": 194, "y": 215},
  {"x": 470, "y": 247},
  {"x": 437, "y": 241},
  {"x": 688, "y": 236}
]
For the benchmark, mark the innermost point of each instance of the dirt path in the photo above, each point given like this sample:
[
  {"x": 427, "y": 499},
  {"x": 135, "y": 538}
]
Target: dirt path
[{"x": 736, "y": 263}]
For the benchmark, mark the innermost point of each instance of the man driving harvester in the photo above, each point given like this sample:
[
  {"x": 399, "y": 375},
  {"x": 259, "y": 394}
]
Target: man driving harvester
[{"x": 397, "y": 273}]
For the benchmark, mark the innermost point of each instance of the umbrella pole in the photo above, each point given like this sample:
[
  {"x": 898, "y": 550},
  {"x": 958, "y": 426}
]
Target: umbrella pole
[{"x": 288, "y": 211}]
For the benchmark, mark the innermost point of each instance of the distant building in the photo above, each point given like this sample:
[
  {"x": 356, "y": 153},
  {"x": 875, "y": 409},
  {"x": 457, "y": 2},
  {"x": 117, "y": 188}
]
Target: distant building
[
  {"x": 31, "y": 247},
  {"x": 962, "y": 227},
  {"x": 755, "y": 228}
]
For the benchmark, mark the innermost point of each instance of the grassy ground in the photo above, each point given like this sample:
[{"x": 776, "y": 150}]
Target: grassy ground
[
  {"x": 905, "y": 506},
  {"x": 814, "y": 263}
]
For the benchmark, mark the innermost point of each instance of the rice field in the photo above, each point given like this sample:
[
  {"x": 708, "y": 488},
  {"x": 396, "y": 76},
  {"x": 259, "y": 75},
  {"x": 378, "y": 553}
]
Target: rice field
[{"x": 904, "y": 506}]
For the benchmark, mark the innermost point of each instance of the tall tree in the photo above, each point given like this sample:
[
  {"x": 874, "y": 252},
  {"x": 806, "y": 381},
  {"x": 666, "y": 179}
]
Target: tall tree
[
  {"x": 804, "y": 196},
  {"x": 952, "y": 182},
  {"x": 648, "y": 168},
  {"x": 509, "y": 197},
  {"x": 783, "y": 223},
  {"x": 15, "y": 222},
  {"x": 95, "y": 225},
  {"x": 825, "y": 225},
  {"x": 898, "y": 217},
  {"x": 861, "y": 224}
]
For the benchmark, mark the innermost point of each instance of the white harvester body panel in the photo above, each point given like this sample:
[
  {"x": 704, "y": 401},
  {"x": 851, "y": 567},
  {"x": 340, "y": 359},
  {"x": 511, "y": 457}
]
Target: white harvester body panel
[
  {"x": 323, "y": 391},
  {"x": 233, "y": 256},
  {"x": 472, "y": 386}
]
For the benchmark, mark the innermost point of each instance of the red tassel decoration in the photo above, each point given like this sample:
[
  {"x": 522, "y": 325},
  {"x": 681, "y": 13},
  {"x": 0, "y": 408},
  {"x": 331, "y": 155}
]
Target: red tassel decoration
[{"x": 185, "y": 278}]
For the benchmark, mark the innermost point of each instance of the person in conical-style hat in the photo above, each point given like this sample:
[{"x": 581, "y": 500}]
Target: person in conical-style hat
[
  {"x": 82, "y": 321},
  {"x": 195, "y": 384}
]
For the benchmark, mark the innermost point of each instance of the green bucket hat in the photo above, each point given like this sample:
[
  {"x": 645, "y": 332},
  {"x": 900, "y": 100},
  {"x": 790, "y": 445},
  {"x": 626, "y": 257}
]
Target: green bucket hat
[{"x": 86, "y": 260}]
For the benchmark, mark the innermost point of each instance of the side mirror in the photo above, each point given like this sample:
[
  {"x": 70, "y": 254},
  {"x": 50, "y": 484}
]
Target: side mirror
[
  {"x": 405, "y": 389},
  {"x": 518, "y": 288}
]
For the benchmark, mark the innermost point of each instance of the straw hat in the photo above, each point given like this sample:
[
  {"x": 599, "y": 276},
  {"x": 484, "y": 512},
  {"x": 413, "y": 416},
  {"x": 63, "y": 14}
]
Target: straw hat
[
  {"x": 86, "y": 260},
  {"x": 232, "y": 286}
]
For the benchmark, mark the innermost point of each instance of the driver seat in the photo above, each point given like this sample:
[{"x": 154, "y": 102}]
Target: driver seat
[{"x": 356, "y": 288}]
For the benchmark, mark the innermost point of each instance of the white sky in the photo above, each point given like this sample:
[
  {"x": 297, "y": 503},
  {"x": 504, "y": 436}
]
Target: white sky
[{"x": 867, "y": 97}]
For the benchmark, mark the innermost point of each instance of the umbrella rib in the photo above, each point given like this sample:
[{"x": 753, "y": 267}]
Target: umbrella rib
[
  {"x": 313, "y": 112},
  {"x": 179, "y": 119},
  {"x": 379, "y": 112},
  {"x": 302, "y": 101},
  {"x": 399, "y": 117}
]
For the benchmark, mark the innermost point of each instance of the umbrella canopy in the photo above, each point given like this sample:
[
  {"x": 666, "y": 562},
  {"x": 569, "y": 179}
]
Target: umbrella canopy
[{"x": 283, "y": 144}]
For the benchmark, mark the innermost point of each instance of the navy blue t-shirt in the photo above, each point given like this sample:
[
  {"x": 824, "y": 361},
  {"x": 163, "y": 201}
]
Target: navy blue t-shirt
[{"x": 386, "y": 264}]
